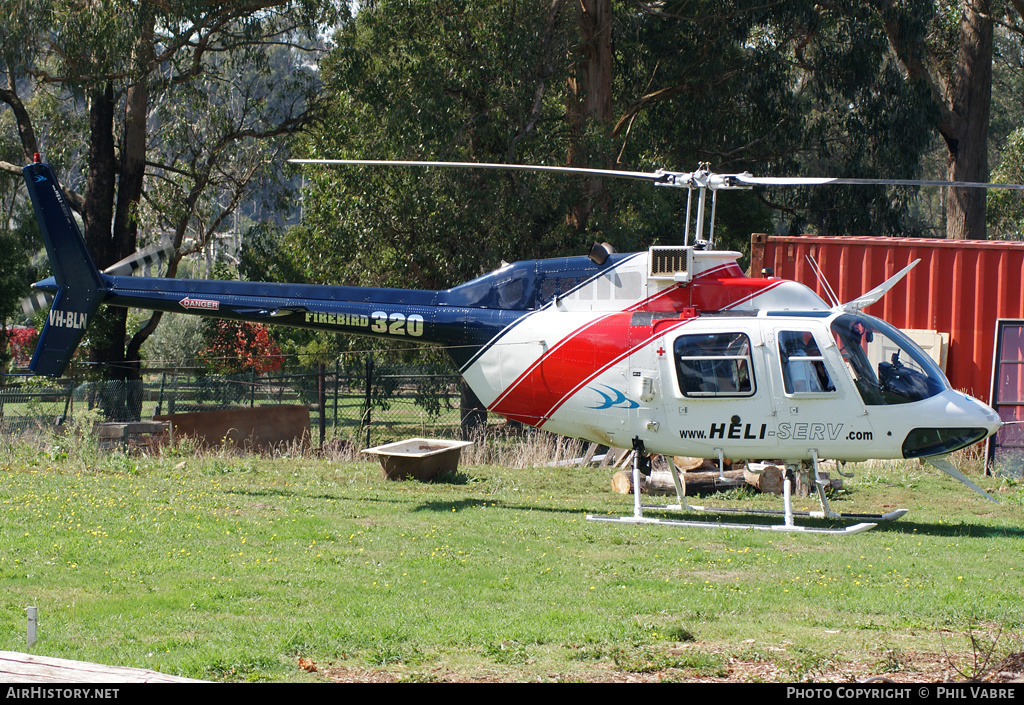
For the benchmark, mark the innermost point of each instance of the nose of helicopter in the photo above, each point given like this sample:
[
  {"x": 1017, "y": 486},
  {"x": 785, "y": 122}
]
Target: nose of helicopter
[
  {"x": 986, "y": 415},
  {"x": 965, "y": 421}
]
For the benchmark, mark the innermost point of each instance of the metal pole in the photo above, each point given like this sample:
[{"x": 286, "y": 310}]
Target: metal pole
[
  {"x": 689, "y": 202},
  {"x": 173, "y": 396}
]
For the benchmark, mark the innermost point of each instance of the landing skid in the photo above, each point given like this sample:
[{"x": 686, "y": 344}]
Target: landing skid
[
  {"x": 788, "y": 513},
  {"x": 888, "y": 516},
  {"x": 855, "y": 529}
]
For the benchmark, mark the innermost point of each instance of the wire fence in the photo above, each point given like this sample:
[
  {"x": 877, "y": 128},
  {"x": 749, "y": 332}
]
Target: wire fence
[{"x": 368, "y": 401}]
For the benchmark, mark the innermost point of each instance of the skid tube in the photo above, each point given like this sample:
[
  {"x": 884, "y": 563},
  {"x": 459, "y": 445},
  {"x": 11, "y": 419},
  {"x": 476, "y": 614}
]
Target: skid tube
[
  {"x": 888, "y": 516},
  {"x": 788, "y": 513},
  {"x": 791, "y": 528}
]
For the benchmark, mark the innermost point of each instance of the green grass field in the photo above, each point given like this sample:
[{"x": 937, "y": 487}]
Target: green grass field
[{"x": 235, "y": 568}]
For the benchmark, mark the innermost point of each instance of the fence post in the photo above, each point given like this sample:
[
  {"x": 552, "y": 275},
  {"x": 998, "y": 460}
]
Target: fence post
[
  {"x": 369, "y": 391},
  {"x": 173, "y": 395},
  {"x": 337, "y": 373},
  {"x": 321, "y": 393},
  {"x": 67, "y": 403},
  {"x": 160, "y": 397},
  {"x": 252, "y": 388}
]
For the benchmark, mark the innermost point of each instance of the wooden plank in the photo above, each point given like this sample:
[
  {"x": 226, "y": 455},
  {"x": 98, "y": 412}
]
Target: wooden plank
[
  {"x": 27, "y": 668},
  {"x": 122, "y": 430}
]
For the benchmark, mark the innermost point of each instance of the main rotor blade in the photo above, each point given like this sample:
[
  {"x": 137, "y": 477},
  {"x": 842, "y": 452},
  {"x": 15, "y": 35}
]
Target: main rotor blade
[
  {"x": 814, "y": 181},
  {"x": 695, "y": 179},
  {"x": 943, "y": 464},
  {"x": 647, "y": 176}
]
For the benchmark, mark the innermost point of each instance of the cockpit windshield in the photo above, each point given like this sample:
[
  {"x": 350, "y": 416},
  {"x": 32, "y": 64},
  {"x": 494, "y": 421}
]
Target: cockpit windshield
[{"x": 887, "y": 367}]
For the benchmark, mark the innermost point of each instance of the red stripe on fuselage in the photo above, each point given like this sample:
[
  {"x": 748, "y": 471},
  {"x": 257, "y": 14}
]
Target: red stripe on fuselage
[
  {"x": 594, "y": 347},
  {"x": 559, "y": 369},
  {"x": 561, "y": 373},
  {"x": 724, "y": 294},
  {"x": 718, "y": 289},
  {"x": 665, "y": 299}
]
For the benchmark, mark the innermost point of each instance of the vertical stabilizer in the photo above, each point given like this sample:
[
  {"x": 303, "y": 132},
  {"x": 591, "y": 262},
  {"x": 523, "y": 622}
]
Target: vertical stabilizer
[{"x": 80, "y": 287}]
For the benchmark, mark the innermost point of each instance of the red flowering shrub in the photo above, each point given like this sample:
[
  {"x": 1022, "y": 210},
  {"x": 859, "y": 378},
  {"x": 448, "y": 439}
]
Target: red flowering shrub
[
  {"x": 239, "y": 346},
  {"x": 21, "y": 341}
]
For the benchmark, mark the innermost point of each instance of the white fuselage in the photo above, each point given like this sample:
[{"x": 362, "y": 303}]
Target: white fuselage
[{"x": 612, "y": 363}]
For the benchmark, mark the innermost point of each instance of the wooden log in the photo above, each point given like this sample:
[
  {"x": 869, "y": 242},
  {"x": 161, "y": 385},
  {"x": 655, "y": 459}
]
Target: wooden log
[
  {"x": 805, "y": 483},
  {"x": 622, "y": 482},
  {"x": 660, "y": 482},
  {"x": 709, "y": 481},
  {"x": 687, "y": 464},
  {"x": 765, "y": 477}
]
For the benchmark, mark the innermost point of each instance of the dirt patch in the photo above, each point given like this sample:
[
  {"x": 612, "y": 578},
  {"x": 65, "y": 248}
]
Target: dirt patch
[
  {"x": 914, "y": 668},
  {"x": 1009, "y": 670}
]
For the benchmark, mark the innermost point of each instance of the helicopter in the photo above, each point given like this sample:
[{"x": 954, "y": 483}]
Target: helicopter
[{"x": 671, "y": 351}]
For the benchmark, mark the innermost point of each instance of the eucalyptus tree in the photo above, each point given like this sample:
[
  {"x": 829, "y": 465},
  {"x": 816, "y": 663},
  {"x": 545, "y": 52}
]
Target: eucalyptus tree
[
  {"x": 446, "y": 80},
  {"x": 946, "y": 47},
  {"x": 776, "y": 87},
  {"x": 178, "y": 107}
]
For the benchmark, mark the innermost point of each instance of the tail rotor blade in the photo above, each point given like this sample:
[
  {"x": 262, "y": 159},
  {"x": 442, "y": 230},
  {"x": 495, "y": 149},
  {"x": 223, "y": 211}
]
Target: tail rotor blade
[
  {"x": 144, "y": 259},
  {"x": 36, "y": 302}
]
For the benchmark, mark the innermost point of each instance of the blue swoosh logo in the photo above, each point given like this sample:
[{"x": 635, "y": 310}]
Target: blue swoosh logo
[
  {"x": 39, "y": 178},
  {"x": 614, "y": 399}
]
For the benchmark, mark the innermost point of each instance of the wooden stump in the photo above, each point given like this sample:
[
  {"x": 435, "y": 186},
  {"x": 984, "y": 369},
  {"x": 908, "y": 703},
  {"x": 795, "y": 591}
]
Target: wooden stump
[{"x": 765, "y": 477}]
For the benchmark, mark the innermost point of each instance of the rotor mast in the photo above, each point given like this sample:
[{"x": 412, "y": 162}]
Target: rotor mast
[{"x": 702, "y": 180}]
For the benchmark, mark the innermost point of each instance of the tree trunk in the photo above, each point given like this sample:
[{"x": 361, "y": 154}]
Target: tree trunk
[
  {"x": 109, "y": 326},
  {"x": 963, "y": 100},
  {"x": 590, "y": 95},
  {"x": 967, "y": 137},
  {"x": 129, "y": 195},
  {"x": 100, "y": 184}
]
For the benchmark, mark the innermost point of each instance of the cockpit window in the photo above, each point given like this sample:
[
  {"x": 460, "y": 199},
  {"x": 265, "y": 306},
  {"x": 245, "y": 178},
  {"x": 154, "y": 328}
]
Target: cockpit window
[
  {"x": 886, "y": 365},
  {"x": 716, "y": 364},
  {"x": 803, "y": 367}
]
